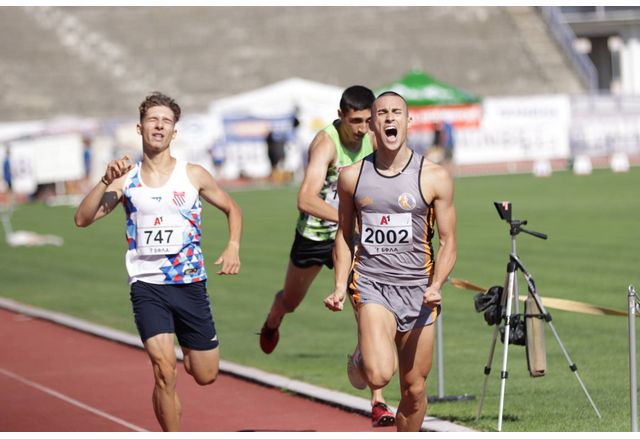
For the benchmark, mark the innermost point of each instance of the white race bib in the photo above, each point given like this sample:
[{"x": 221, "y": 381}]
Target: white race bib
[
  {"x": 332, "y": 195},
  {"x": 160, "y": 234},
  {"x": 387, "y": 232}
]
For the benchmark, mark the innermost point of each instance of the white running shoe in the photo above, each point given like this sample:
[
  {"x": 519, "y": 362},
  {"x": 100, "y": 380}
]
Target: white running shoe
[{"x": 354, "y": 370}]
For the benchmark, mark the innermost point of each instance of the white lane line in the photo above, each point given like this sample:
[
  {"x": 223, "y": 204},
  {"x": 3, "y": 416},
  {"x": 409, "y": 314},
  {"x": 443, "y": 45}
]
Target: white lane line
[{"x": 72, "y": 401}]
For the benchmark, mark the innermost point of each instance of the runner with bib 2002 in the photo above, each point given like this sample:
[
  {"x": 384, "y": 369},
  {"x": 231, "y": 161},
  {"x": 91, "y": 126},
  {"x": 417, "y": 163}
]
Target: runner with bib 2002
[{"x": 396, "y": 197}]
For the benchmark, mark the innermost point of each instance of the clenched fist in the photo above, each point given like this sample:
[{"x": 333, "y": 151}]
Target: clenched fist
[{"x": 117, "y": 168}]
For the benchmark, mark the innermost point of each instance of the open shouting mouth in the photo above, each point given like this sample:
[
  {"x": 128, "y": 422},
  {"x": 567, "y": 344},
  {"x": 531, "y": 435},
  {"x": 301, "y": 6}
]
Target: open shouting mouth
[{"x": 391, "y": 133}]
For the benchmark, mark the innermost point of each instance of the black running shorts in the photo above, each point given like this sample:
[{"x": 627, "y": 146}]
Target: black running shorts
[
  {"x": 183, "y": 309},
  {"x": 306, "y": 252}
]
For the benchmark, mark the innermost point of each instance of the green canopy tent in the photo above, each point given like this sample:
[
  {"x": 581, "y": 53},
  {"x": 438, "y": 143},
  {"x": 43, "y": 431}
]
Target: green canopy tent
[
  {"x": 421, "y": 89},
  {"x": 431, "y": 101}
]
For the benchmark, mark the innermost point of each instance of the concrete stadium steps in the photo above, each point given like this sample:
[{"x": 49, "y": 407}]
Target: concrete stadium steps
[
  {"x": 40, "y": 78},
  {"x": 118, "y": 54},
  {"x": 554, "y": 66}
]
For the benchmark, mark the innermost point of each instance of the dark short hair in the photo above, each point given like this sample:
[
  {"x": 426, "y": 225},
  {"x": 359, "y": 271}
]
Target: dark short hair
[
  {"x": 357, "y": 98},
  {"x": 392, "y": 93},
  {"x": 156, "y": 99}
]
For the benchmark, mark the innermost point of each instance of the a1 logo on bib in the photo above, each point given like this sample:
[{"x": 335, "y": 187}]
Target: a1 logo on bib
[{"x": 406, "y": 201}]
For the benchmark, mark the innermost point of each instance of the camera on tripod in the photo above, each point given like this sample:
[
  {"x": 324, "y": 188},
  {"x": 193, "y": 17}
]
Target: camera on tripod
[
  {"x": 514, "y": 328},
  {"x": 523, "y": 330},
  {"x": 504, "y": 210}
]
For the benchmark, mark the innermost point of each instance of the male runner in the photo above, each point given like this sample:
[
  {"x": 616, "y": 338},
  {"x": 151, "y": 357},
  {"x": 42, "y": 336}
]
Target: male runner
[
  {"x": 342, "y": 143},
  {"x": 161, "y": 199},
  {"x": 396, "y": 197}
]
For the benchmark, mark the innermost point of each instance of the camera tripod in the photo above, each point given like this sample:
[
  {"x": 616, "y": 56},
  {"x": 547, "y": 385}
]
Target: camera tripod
[{"x": 510, "y": 293}]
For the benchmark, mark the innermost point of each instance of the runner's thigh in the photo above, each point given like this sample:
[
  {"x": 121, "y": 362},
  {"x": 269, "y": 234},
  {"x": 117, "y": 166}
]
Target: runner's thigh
[
  {"x": 376, "y": 332},
  {"x": 297, "y": 282},
  {"x": 415, "y": 353}
]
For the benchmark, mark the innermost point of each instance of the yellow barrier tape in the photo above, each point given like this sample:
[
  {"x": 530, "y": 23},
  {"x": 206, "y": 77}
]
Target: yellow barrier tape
[{"x": 550, "y": 302}]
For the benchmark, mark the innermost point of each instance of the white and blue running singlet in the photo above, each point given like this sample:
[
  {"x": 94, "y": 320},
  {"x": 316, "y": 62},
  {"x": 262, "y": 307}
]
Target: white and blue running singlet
[{"x": 163, "y": 229}]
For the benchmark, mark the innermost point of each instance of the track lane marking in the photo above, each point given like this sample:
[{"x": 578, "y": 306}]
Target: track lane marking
[{"x": 72, "y": 401}]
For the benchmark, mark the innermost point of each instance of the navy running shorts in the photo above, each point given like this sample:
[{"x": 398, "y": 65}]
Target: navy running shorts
[
  {"x": 306, "y": 252},
  {"x": 183, "y": 309}
]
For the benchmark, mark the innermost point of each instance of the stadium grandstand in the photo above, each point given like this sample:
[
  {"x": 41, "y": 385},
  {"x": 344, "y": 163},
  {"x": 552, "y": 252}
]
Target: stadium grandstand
[
  {"x": 99, "y": 61},
  {"x": 542, "y": 96}
]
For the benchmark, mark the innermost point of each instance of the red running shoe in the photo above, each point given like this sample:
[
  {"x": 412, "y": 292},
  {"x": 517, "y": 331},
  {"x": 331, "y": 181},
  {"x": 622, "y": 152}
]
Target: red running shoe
[
  {"x": 381, "y": 416},
  {"x": 268, "y": 338}
]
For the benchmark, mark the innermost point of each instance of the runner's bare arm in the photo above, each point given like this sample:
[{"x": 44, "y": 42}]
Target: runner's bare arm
[
  {"x": 322, "y": 153},
  {"x": 213, "y": 194},
  {"x": 342, "y": 256},
  {"x": 438, "y": 186},
  {"x": 105, "y": 195}
]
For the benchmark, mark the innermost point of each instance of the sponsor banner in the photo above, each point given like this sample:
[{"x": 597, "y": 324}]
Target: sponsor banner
[
  {"x": 245, "y": 147},
  {"x": 526, "y": 110},
  {"x": 604, "y": 125},
  {"x": 250, "y": 128},
  {"x": 517, "y": 143},
  {"x": 23, "y": 179},
  {"x": 248, "y": 159},
  {"x": 52, "y": 158},
  {"x": 517, "y": 129},
  {"x": 461, "y": 116}
]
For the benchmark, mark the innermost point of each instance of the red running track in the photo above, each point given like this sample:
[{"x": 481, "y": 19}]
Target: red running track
[{"x": 55, "y": 379}]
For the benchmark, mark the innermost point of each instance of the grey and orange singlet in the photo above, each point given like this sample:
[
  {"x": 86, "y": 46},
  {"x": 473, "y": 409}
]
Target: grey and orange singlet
[{"x": 396, "y": 225}]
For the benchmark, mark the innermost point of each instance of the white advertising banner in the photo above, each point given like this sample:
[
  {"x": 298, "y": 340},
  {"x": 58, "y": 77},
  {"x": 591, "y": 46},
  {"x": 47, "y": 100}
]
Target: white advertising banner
[
  {"x": 510, "y": 144},
  {"x": 604, "y": 125},
  {"x": 53, "y": 158},
  {"x": 526, "y": 110},
  {"x": 23, "y": 178},
  {"x": 517, "y": 129}
]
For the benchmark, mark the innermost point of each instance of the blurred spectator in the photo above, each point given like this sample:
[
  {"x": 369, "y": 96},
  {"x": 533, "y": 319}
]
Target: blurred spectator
[
  {"x": 85, "y": 185},
  {"x": 441, "y": 150},
  {"x": 217, "y": 156},
  {"x": 6, "y": 169},
  {"x": 275, "y": 151},
  {"x": 86, "y": 156}
]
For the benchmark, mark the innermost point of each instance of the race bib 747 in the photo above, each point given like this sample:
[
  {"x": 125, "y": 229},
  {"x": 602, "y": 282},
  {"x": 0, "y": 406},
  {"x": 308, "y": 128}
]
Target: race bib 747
[{"x": 159, "y": 234}]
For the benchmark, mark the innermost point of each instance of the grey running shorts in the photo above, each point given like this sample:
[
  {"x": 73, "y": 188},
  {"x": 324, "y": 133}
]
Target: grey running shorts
[{"x": 405, "y": 302}]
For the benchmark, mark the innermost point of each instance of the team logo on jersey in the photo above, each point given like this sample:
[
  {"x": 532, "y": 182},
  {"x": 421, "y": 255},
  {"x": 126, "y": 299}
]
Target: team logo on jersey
[
  {"x": 406, "y": 201},
  {"x": 158, "y": 199},
  {"x": 189, "y": 269},
  {"x": 178, "y": 198}
]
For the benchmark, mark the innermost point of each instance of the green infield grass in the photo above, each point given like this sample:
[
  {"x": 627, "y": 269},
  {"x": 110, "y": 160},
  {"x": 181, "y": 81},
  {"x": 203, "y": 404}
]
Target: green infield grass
[{"x": 592, "y": 255}]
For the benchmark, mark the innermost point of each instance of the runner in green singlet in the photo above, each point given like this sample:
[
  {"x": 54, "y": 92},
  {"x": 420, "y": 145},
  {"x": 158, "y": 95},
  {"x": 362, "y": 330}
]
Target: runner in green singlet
[{"x": 340, "y": 144}]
